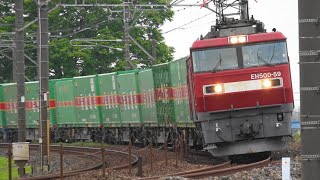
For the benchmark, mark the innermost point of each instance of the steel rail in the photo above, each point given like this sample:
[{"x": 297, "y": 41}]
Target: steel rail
[
  {"x": 226, "y": 171},
  {"x": 217, "y": 170},
  {"x": 215, "y": 167},
  {"x": 79, "y": 151}
]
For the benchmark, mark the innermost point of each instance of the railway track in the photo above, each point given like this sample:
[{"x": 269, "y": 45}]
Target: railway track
[
  {"x": 91, "y": 153},
  {"x": 217, "y": 170}
]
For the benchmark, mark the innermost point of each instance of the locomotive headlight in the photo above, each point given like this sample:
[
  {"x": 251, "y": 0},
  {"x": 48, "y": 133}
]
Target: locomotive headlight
[
  {"x": 213, "y": 89},
  {"x": 266, "y": 83},
  {"x": 237, "y": 39},
  {"x": 271, "y": 83},
  {"x": 218, "y": 88},
  {"x": 233, "y": 40},
  {"x": 242, "y": 39}
]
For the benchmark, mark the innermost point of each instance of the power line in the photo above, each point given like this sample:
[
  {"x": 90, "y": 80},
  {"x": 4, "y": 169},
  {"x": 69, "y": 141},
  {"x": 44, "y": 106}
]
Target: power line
[{"x": 179, "y": 27}]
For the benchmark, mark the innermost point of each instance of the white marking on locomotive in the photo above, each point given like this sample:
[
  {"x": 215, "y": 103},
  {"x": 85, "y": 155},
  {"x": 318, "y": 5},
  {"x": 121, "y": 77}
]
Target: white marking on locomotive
[
  {"x": 266, "y": 75},
  {"x": 241, "y": 86}
]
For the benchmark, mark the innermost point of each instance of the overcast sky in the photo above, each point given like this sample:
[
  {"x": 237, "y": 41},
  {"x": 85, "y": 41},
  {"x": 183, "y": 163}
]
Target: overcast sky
[{"x": 189, "y": 23}]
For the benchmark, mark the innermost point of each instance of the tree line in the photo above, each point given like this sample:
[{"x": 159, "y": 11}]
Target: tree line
[{"x": 69, "y": 58}]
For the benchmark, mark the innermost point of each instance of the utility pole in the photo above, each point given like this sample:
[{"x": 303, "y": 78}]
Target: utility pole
[
  {"x": 126, "y": 17},
  {"x": 19, "y": 55},
  {"x": 19, "y": 59},
  {"x": 309, "y": 50},
  {"x": 43, "y": 57}
]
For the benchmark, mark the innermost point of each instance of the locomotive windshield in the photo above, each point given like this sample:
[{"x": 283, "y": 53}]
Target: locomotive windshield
[
  {"x": 264, "y": 54},
  {"x": 214, "y": 59},
  {"x": 240, "y": 56}
]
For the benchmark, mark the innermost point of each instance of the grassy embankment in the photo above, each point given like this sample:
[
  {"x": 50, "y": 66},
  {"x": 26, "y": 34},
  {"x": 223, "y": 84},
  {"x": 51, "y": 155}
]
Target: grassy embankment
[{"x": 4, "y": 173}]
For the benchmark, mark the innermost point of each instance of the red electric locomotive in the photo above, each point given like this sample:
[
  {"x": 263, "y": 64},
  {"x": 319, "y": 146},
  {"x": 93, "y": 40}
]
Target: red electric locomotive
[{"x": 240, "y": 87}]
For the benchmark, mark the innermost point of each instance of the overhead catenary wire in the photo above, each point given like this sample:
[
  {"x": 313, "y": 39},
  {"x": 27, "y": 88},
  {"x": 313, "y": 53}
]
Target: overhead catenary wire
[{"x": 179, "y": 27}]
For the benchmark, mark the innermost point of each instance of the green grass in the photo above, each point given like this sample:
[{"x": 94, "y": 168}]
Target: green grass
[
  {"x": 296, "y": 136},
  {"x": 4, "y": 173}
]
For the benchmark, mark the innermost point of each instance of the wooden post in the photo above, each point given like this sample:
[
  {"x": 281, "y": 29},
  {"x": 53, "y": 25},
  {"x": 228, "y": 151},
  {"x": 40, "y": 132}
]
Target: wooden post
[
  {"x": 140, "y": 170},
  {"x": 9, "y": 162},
  {"x": 176, "y": 152},
  {"x": 130, "y": 166},
  {"x": 150, "y": 147},
  {"x": 166, "y": 151},
  {"x": 103, "y": 163},
  {"x": 61, "y": 161}
]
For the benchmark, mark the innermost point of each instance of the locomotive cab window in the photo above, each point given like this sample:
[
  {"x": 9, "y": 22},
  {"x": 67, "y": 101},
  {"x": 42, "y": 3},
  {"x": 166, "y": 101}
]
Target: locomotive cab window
[
  {"x": 264, "y": 54},
  {"x": 214, "y": 59}
]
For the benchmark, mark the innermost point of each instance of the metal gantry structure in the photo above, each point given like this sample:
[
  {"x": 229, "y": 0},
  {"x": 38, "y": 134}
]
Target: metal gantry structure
[
  {"x": 128, "y": 6},
  {"x": 309, "y": 55},
  {"x": 224, "y": 9}
]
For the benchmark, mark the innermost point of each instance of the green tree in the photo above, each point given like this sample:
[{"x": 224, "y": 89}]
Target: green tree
[{"x": 69, "y": 23}]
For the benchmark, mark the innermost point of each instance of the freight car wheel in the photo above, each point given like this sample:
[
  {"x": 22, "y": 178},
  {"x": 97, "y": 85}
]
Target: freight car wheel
[{"x": 110, "y": 137}]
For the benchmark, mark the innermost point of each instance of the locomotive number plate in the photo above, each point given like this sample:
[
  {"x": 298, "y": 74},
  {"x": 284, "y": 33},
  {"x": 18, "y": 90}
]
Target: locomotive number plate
[{"x": 266, "y": 75}]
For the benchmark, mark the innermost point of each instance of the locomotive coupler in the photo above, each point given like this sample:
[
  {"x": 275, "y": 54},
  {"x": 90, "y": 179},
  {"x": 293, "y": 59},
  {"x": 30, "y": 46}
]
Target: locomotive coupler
[{"x": 247, "y": 130}]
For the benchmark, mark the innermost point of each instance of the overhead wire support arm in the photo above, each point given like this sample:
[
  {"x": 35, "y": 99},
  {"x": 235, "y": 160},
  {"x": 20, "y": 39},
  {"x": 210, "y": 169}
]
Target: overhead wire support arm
[
  {"x": 114, "y": 5},
  {"x": 25, "y": 55},
  {"x": 145, "y": 51},
  {"x": 94, "y": 40},
  {"x": 37, "y": 19},
  {"x": 135, "y": 20}
]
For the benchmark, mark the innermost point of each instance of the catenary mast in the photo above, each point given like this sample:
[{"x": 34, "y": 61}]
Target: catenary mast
[{"x": 309, "y": 52}]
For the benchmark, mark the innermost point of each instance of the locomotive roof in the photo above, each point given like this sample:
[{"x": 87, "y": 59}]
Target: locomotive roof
[{"x": 223, "y": 41}]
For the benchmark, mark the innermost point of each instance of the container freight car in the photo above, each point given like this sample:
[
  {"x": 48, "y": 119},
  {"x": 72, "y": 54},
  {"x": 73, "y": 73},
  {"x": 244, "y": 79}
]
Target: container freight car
[{"x": 138, "y": 104}]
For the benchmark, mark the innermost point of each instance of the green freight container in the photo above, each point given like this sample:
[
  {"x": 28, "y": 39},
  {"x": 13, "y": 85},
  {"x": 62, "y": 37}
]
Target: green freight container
[
  {"x": 162, "y": 86},
  {"x": 185, "y": 93},
  {"x": 65, "y": 104},
  {"x": 170, "y": 81},
  {"x": 147, "y": 105},
  {"x": 176, "y": 81},
  {"x": 128, "y": 96},
  {"x": 2, "y": 109},
  {"x": 108, "y": 100},
  {"x": 8, "y": 106},
  {"x": 52, "y": 102},
  {"x": 85, "y": 92},
  {"x": 164, "y": 94},
  {"x": 32, "y": 104}
]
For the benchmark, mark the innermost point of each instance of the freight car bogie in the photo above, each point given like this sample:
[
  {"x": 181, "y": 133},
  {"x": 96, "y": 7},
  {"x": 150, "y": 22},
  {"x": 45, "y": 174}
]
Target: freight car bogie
[
  {"x": 8, "y": 135},
  {"x": 72, "y": 134},
  {"x": 32, "y": 134}
]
